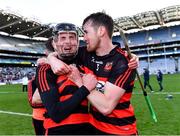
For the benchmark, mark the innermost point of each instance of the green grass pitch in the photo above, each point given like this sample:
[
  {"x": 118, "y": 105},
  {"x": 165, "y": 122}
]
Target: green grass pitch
[{"x": 12, "y": 99}]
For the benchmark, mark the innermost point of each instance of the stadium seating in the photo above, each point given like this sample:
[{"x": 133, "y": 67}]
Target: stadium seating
[
  {"x": 156, "y": 44},
  {"x": 160, "y": 35},
  {"x": 21, "y": 45}
]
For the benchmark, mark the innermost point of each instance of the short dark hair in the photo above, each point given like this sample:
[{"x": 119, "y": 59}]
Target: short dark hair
[
  {"x": 48, "y": 44},
  {"x": 101, "y": 19}
]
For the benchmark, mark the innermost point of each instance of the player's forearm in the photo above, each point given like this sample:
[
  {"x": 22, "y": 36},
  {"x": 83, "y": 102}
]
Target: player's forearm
[
  {"x": 36, "y": 99},
  {"x": 100, "y": 102},
  {"x": 58, "y": 67},
  {"x": 59, "y": 110}
]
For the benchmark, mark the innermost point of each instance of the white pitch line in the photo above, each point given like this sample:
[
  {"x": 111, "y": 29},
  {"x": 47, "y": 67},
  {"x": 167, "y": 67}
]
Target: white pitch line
[
  {"x": 10, "y": 92},
  {"x": 16, "y": 113},
  {"x": 158, "y": 92}
]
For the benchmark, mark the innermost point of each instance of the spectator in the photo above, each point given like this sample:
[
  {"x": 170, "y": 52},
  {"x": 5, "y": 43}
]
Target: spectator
[
  {"x": 24, "y": 83},
  {"x": 159, "y": 79},
  {"x": 146, "y": 79}
]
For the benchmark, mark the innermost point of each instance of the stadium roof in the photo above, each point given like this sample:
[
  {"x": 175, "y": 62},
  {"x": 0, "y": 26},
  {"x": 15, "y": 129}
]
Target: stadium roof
[
  {"x": 16, "y": 24},
  {"x": 149, "y": 18}
]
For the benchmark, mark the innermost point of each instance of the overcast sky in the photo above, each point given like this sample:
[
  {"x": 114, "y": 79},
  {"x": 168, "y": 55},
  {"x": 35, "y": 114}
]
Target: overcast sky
[{"x": 54, "y": 11}]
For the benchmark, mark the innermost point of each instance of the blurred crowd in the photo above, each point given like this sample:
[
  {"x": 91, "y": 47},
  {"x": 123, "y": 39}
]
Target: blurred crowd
[{"x": 9, "y": 75}]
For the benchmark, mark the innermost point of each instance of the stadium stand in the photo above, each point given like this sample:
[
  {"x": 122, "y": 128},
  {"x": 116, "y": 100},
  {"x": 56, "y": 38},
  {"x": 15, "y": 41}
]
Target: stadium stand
[
  {"x": 157, "y": 48},
  {"x": 162, "y": 47},
  {"x": 18, "y": 58}
]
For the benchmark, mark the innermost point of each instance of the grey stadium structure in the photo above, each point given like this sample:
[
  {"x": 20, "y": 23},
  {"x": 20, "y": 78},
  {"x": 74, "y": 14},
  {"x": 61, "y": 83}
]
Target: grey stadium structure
[{"x": 153, "y": 35}]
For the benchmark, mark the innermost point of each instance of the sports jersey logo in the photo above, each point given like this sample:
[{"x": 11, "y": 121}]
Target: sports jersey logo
[
  {"x": 98, "y": 63},
  {"x": 108, "y": 66}
]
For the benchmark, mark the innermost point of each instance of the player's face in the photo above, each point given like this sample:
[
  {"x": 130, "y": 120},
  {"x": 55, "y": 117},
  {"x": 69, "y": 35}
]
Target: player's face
[
  {"x": 91, "y": 37},
  {"x": 66, "y": 44}
]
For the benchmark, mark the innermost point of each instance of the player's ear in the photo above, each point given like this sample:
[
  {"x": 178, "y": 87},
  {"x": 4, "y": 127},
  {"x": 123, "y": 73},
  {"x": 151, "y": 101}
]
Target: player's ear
[{"x": 101, "y": 30}]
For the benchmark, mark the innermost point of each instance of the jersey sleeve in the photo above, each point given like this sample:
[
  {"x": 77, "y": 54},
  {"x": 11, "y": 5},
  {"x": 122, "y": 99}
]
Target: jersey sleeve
[
  {"x": 56, "y": 109},
  {"x": 121, "y": 75}
]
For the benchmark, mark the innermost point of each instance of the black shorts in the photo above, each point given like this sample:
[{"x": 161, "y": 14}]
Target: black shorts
[
  {"x": 38, "y": 126},
  {"x": 73, "y": 129}
]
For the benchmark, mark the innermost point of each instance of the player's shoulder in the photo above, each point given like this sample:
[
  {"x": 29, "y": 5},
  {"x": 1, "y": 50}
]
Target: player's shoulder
[
  {"x": 121, "y": 54},
  {"x": 43, "y": 67},
  {"x": 120, "y": 51}
]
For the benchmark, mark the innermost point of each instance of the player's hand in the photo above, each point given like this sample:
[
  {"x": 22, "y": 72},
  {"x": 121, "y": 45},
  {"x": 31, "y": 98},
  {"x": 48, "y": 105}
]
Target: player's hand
[
  {"x": 57, "y": 66},
  {"x": 134, "y": 62},
  {"x": 42, "y": 61},
  {"x": 89, "y": 81},
  {"x": 75, "y": 76}
]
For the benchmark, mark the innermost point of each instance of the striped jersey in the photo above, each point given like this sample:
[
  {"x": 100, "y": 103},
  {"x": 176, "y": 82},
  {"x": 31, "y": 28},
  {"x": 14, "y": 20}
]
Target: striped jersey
[
  {"x": 113, "y": 68},
  {"x": 64, "y": 101},
  {"x": 38, "y": 109}
]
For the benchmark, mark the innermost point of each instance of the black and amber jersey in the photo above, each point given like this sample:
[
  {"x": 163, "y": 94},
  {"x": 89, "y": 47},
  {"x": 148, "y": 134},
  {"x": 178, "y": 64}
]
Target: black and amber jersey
[
  {"x": 64, "y": 101},
  {"x": 31, "y": 90},
  {"x": 113, "y": 68},
  {"x": 38, "y": 109}
]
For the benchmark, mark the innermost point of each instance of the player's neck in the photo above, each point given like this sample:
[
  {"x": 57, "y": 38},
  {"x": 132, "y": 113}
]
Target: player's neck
[{"x": 104, "y": 48}]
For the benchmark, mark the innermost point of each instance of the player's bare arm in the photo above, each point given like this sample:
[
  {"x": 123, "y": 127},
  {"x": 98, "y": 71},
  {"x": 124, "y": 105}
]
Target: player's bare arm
[
  {"x": 36, "y": 99},
  {"x": 57, "y": 66},
  {"x": 106, "y": 102}
]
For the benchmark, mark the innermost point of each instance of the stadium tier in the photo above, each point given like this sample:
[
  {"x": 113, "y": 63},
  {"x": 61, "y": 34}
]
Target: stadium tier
[
  {"x": 155, "y": 36},
  {"x": 18, "y": 51},
  {"x": 156, "y": 48},
  {"x": 21, "y": 45},
  {"x": 160, "y": 46}
]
